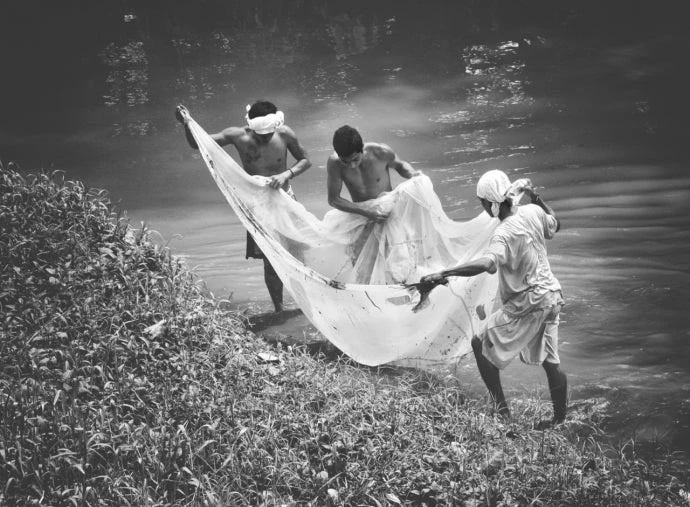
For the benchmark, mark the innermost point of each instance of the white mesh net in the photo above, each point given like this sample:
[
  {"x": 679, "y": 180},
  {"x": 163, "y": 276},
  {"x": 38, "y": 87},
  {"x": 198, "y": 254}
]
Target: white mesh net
[{"x": 347, "y": 273}]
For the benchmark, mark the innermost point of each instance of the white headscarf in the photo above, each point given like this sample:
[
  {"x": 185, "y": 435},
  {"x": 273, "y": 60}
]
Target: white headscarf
[
  {"x": 265, "y": 124},
  {"x": 495, "y": 187}
]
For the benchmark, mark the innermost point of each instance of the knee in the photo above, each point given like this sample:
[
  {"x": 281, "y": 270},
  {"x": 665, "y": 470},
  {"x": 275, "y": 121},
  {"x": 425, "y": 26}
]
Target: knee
[
  {"x": 268, "y": 269},
  {"x": 550, "y": 367},
  {"x": 553, "y": 369},
  {"x": 556, "y": 367}
]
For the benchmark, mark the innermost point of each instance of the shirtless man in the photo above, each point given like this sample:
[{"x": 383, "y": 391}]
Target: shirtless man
[
  {"x": 364, "y": 169},
  {"x": 262, "y": 146}
]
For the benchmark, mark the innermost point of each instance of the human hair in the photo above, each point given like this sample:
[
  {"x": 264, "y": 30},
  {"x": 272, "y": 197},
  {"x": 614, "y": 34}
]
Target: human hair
[
  {"x": 261, "y": 108},
  {"x": 347, "y": 141}
]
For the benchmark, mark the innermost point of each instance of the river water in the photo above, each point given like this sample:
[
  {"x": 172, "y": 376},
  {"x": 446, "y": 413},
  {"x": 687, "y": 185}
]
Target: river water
[{"x": 590, "y": 102}]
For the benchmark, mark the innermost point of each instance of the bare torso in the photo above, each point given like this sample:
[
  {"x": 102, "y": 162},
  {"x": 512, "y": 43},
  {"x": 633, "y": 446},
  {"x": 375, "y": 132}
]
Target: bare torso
[
  {"x": 367, "y": 180},
  {"x": 259, "y": 155},
  {"x": 366, "y": 175}
]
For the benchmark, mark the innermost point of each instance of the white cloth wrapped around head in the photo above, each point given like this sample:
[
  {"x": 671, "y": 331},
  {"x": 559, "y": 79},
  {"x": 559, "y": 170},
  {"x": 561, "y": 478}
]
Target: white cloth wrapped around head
[
  {"x": 265, "y": 124},
  {"x": 495, "y": 187}
]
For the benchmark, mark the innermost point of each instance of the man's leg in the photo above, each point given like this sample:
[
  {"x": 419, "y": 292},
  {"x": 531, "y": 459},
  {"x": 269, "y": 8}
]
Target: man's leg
[
  {"x": 492, "y": 378},
  {"x": 274, "y": 286},
  {"x": 558, "y": 386}
]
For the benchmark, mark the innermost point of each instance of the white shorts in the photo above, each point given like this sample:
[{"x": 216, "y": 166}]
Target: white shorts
[{"x": 527, "y": 326}]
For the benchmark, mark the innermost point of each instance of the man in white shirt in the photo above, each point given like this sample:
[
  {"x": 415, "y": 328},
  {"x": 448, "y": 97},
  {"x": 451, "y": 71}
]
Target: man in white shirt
[{"x": 527, "y": 323}]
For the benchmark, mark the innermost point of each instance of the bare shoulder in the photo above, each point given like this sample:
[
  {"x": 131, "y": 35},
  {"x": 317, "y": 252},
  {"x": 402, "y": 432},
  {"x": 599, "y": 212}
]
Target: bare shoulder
[
  {"x": 379, "y": 150},
  {"x": 232, "y": 133},
  {"x": 286, "y": 130},
  {"x": 333, "y": 163}
]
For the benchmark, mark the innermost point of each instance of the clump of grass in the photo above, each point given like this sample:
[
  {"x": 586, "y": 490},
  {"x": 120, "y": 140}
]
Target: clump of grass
[{"x": 123, "y": 383}]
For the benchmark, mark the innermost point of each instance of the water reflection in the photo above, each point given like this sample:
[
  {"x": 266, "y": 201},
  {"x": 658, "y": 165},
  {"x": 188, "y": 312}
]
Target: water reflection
[
  {"x": 258, "y": 47},
  {"x": 349, "y": 36},
  {"x": 135, "y": 128},
  {"x": 128, "y": 76},
  {"x": 490, "y": 101}
]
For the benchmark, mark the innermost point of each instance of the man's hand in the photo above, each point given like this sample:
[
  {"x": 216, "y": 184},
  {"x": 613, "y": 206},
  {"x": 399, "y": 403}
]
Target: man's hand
[
  {"x": 432, "y": 278},
  {"x": 377, "y": 216},
  {"x": 278, "y": 180},
  {"x": 425, "y": 285},
  {"x": 530, "y": 191},
  {"x": 181, "y": 114}
]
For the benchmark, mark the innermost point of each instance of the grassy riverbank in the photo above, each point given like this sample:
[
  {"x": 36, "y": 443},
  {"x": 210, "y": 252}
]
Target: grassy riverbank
[{"x": 122, "y": 383}]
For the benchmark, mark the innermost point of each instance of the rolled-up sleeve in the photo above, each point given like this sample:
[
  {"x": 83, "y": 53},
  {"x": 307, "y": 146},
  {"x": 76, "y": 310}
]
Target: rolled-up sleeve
[
  {"x": 550, "y": 225},
  {"x": 496, "y": 250}
]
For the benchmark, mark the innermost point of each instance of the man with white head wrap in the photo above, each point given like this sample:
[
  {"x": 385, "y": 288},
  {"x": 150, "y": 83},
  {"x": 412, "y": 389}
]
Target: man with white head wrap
[
  {"x": 527, "y": 323},
  {"x": 262, "y": 145}
]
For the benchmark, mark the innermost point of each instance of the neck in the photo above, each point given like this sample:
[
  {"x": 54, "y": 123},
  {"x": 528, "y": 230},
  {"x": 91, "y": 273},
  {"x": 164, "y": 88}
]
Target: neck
[{"x": 505, "y": 211}]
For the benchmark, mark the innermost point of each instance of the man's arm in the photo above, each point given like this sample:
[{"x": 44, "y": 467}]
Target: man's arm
[
  {"x": 334, "y": 185},
  {"x": 182, "y": 115},
  {"x": 403, "y": 168},
  {"x": 467, "y": 269},
  {"x": 302, "y": 162},
  {"x": 535, "y": 198},
  {"x": 224, "y": 137},
  {"x": 228, "y": 136}
]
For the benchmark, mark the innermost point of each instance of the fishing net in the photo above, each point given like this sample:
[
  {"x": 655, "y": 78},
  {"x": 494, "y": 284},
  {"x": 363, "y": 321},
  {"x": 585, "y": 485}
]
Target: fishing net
[{"x": 348, "y": 275}]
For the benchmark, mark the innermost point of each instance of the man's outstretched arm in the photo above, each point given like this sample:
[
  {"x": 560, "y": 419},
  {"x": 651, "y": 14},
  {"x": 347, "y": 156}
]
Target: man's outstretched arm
[
  {"x": 223, "y": 138},
  {"x": 470, "y": 268}
]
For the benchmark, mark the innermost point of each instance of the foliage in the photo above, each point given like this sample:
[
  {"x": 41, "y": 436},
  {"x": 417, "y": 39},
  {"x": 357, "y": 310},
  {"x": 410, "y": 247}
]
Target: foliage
[{"x": 122, "y": 383}]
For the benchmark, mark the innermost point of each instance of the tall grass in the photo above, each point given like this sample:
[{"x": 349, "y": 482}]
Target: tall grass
[{"x": 122, "y": 383}]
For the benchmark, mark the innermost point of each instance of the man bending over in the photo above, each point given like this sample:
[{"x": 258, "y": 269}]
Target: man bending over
[{"x": 365, "y": 171}]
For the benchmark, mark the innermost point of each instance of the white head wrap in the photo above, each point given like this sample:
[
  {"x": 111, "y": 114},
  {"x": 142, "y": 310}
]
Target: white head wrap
[
  {"x": 265, "y": 124},
  {"x": 495, "y": 187}
]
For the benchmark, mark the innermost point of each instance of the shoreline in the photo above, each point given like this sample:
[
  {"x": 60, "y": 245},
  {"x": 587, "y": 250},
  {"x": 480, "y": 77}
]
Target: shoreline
[{"x": 122, "y": 383}]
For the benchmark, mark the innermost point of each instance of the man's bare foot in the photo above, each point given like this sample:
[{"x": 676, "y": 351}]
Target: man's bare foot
[
  {"x": 503, "y": 412},
  {"x": 548, "y": 423}
]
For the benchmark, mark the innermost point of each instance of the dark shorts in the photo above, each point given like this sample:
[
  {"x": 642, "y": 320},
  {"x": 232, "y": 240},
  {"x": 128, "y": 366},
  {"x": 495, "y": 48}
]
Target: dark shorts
[{"x": 253, "y": 250}]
